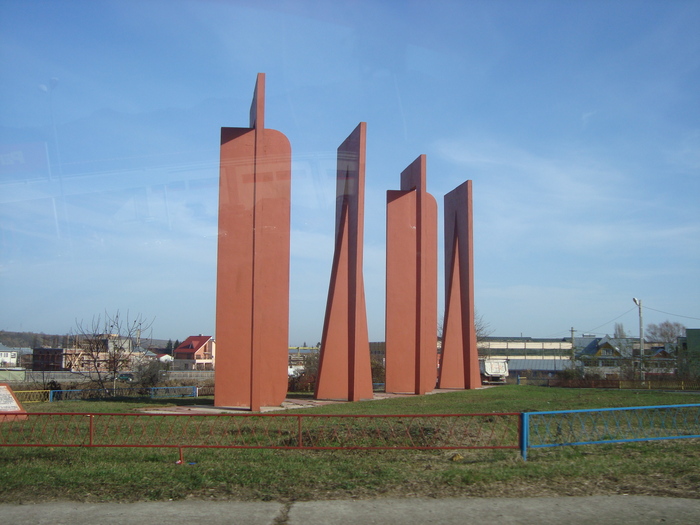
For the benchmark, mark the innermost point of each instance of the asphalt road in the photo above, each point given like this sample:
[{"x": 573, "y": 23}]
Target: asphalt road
[{"x": 598, "y": 510}]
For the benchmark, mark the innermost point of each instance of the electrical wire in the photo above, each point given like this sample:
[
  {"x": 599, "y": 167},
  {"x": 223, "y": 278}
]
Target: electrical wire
[
  {"x": 668, "y": 313},
  {"x": 592, "y": 330}
]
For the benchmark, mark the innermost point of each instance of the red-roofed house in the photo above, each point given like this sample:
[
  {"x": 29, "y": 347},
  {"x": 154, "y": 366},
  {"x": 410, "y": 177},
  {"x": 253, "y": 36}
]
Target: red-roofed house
[{"x": 197, "y": 352}]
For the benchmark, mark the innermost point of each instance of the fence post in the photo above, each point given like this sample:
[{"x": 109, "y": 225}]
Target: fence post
[
  {"x": 92, "y": 428},
  {"x": 50, "y": 396},
  {"x": 300, "y": 441},
  {"x": 524, "y": 434},
  {"x": 195, "y": 391}
]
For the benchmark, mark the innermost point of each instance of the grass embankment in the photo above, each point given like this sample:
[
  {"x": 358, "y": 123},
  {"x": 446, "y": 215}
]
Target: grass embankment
[{"x": 659, "y": 468}]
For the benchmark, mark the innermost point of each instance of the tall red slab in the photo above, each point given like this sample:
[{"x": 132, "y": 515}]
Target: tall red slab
[
  {"x": 459, "y": 363},
  {"x": 411, "y": 284},
  {"x": 252, "y": 292},
  {"x": 344, "y": 371}
]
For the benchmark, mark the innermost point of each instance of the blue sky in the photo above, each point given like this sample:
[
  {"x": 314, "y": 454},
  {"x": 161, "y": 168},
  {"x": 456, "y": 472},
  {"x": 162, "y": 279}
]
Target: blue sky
[{"x": 579, "y": 123}]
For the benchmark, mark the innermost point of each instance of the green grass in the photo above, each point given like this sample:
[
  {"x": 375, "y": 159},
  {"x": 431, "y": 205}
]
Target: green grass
[
  {"x": 130, "y": 474},
  {"x": 512, "y": 398}
]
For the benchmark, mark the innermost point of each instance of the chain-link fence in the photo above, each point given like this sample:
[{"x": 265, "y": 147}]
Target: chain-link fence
[{"x": 609, "y": 425}]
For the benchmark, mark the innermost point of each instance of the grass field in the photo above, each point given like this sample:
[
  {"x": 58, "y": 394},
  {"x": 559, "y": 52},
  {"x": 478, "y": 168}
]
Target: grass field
[{"x": 669, "y": 468}]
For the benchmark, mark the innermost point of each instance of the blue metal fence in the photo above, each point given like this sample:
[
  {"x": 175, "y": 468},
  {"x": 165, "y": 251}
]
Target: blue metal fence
[{"x": 608, "y": 425}]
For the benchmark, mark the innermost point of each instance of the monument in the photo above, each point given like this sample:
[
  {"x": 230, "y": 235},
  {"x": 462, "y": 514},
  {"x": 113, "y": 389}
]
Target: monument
[
  {"x": 411, "y": 284},
  {"x": 252, "y": 293},
  {"x": 459, "y": 363},
  {"x": 344, "y": 371}
]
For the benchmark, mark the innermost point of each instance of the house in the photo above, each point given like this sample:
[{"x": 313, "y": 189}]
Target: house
[
  {"x": 9, "y": 357},
  {"x": 165, "y": 359},
  {"x": 620, "y": 358},
  {"x": 661, "y": 364},
  {"x": 607, "y": 357},
  {"x": 197, "y": 352}
]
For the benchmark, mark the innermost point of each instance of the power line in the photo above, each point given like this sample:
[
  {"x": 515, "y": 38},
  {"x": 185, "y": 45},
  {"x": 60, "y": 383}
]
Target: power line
[
  {"x": 611, "y": 320},
  {"x": 593, "y": 330},
  {"x": 674, "y": 315}
]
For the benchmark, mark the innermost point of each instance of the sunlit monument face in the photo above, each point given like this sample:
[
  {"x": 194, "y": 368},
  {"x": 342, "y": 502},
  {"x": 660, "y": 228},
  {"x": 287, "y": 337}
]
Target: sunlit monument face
[
  {"x": 411, "y": 284},
  {"x": 252, "y": 294}
]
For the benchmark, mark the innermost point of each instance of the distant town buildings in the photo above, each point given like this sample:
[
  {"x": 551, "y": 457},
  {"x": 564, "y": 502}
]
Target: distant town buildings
[{"x": 590, "y": 356}]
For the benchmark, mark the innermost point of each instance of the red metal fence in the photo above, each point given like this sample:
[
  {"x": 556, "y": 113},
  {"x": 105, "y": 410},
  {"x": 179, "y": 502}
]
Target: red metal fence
[{"x": 271, "y": 431}]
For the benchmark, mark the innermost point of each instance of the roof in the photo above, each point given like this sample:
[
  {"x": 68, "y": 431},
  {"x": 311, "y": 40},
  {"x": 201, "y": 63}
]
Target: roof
[
  {"x": 145, "y": 352},
  {"x": 592, "y": 346},
  {"x": 193, "y": 343},
  {"x": 545, "y": 365},
  {"x": 4, "y": 348},
  {"x": 661, "y": 353}
]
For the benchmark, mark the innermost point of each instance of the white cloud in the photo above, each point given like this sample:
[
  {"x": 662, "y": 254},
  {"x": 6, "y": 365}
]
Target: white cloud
[{"x": 570, "y": 202}]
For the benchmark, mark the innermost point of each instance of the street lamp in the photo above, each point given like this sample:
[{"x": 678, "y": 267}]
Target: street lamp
[{"x": 638, "y": 302}]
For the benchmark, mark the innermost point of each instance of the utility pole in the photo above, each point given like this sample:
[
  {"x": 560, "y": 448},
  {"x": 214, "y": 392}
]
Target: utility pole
[
  {"x": 638, "y": 302},
  {"x": 573, "y": 347}
]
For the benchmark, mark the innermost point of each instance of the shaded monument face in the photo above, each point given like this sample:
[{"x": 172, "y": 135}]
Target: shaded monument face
[
  {"x": 459, "y": 365},
  {"x": 344, "y": 367},
  {"x": 252, "y": 300},
  {"x": 411, "y": 284}
]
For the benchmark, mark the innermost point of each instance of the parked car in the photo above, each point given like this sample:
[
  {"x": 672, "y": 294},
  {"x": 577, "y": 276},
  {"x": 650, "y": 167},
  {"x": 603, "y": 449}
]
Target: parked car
[{"x": 125, "y": 377}]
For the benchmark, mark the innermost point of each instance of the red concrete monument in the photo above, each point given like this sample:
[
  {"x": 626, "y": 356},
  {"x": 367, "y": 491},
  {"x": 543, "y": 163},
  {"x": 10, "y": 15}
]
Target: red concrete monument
[
  {"x": 411, "y": 284},
  {"x": 252, "y": 294},
  {"x": 344, "y": 370},
  {"x": 459, "y": 364}
]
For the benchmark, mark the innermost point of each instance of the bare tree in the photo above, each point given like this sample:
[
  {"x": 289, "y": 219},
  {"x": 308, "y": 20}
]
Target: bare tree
[
  {"x": 619, "y": 331},
  {"x": 482, "y": 327},
  {"x": 106, "y": 345},
  {"x": 666, "y": 332}
]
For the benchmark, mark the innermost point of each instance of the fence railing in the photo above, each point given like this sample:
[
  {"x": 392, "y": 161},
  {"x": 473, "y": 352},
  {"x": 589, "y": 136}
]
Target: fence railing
[
  {"x": 270, "y": 431},
  {"x": 32, "y": 396},
  {"x": 526, "y": 431},
  {"x": 608, "y": 425}
]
